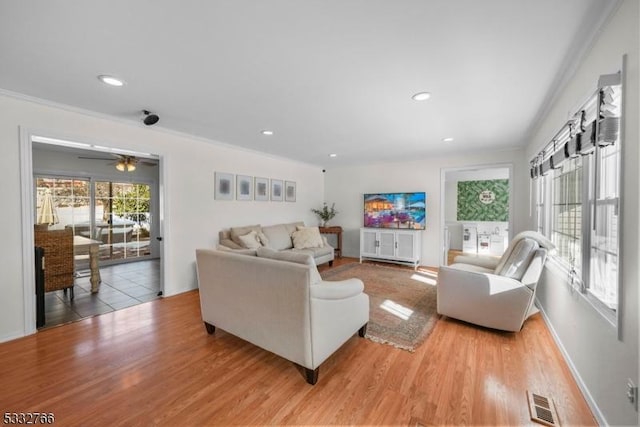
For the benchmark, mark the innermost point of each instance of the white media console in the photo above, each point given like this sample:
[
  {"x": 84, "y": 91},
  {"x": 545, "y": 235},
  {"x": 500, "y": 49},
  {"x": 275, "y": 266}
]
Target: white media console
[{"x": 399, "y": 246}]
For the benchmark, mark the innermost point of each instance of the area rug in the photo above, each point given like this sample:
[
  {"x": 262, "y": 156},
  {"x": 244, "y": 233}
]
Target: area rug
[{"x": 402, "y": 302}]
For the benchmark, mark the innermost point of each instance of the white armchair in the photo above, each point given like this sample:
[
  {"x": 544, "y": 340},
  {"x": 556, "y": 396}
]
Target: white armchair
[{"x": 497, "y": 294}]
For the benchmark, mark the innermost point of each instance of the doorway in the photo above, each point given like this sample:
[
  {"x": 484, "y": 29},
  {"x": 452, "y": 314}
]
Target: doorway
[
  {"x": 82, "y": 188},
  {"x": 476, "y": 207}
]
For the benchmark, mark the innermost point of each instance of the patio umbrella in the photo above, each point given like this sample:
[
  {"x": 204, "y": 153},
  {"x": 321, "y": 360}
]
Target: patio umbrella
[{"x": 47, "y": 214}]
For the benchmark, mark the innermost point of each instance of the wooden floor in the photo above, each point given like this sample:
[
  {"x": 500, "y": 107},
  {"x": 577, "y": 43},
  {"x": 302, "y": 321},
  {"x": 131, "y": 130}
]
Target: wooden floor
[{"x": 154, "y": 364}]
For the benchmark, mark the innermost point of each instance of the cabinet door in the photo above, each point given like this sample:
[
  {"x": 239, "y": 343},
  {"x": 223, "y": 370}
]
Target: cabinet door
[
  {"x": 368, "y": 246},
  {"x": 387, "y": 244},
  {"x": 405, "y": 245}
]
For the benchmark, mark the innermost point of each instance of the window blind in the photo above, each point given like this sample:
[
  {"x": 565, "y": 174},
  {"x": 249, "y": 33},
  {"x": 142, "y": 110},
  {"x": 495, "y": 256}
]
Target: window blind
[{"x": 595, "y": 124}]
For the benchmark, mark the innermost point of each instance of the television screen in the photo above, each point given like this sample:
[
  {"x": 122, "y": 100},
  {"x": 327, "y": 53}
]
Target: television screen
[{"x": 395, "y": 210}]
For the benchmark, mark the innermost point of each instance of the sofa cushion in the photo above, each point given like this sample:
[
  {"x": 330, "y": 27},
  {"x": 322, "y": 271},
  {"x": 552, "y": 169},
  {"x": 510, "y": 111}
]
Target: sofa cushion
[
  {"x": 519, "y": 258},
  {"x": 293, "y": 226},
  {"x": 250, "y": 240},
  {"x": 296, "y": 257},
  {"x": 316, "y": 252},
  {"x": 230, "y": 244},
  {"x": 307, "y": 237},
  {"x": 236, "y": 232},
  {"x": 278, "y": 236}
]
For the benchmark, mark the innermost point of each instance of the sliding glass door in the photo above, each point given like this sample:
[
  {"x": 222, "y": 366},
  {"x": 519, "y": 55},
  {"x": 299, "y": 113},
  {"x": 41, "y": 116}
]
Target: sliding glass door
[
  {"x": 117, "y": 214},
  {"x": 123, "y": 219}
]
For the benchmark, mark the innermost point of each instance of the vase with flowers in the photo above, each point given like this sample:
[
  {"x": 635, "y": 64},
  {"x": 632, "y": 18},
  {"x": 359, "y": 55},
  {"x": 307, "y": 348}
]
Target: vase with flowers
[{"x": 326, "y": 213}]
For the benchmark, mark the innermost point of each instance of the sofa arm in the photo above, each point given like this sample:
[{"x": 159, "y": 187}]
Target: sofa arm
[{"x": 337, "y": 289}]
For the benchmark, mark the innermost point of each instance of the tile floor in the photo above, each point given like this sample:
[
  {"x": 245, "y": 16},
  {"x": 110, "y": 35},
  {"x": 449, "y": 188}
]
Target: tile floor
[{"x": 122, "y": 286}]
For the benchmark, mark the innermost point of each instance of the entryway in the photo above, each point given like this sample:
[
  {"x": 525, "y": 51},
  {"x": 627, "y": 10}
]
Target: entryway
[
  {"x": 476, "y": 210},
  {"x": 107, "y": 197}
]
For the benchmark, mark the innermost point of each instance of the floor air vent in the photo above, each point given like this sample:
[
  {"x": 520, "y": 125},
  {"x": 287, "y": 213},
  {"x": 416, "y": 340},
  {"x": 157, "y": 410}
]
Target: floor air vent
[{"x": 542, "y": 410}]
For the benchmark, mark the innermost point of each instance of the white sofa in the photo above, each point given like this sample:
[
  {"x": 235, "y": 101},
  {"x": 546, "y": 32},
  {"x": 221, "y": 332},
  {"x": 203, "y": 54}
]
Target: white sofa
[
  {"x": 497, "y": 293},
  {"x": 278, "y": 301},
  {"x": 277, "y": 237}
]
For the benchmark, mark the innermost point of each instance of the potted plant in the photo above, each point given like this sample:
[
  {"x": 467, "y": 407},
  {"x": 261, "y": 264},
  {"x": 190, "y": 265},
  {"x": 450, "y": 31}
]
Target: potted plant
[{"x": 325, "y": 214}]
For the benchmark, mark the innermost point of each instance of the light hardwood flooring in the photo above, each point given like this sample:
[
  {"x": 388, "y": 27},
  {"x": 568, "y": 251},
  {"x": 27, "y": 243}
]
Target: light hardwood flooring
[{"x": 154, "y": 364}]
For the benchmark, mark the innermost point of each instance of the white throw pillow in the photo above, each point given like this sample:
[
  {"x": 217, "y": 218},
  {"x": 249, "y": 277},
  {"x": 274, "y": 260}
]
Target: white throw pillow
[
  {"x": 264, "y": 240},
  {"x": 250, "y": 240},
  {"x": 307, "y": 237}
]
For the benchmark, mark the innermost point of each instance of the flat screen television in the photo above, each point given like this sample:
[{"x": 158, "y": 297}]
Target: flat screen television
[{"x": 395, "y": 210}]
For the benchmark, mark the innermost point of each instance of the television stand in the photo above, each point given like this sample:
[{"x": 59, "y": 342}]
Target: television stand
[{"x": 398, "y": 246}]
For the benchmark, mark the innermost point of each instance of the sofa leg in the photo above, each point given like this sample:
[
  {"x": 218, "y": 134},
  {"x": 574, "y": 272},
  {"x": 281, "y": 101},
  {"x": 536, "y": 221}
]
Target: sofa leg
[
  {"x": 362, "y": 331},
  {"x": 331, "y": 263},
  {"x": 210, "y": 328},
  {"x": 311, "y": 375}
]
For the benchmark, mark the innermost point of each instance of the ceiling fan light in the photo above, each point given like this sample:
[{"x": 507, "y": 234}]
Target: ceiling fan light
[
  {"x": 121, "y": 166},
  {"x": 131, "y": 167}
]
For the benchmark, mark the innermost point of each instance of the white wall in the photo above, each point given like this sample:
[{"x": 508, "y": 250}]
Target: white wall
[
  {"x": 192, "y": 217},
  {"x": 602, "y": 362},
  {"x": 346, "y": 185},
  {"x": 451, "y": 201}
]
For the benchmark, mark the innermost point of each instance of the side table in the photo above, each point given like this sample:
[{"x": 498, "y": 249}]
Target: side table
[{"x": 337, "y": 230}]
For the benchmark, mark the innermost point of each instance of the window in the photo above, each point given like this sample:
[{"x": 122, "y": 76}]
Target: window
[
  {"x": 566, "y": 215},
  {"x": 577, "y": 196},
  {"x": 539, "y": 197},
  {"x": 61, "y": 202},
  {"x": 603, "y": 277},
  {"x": 122, "y": 219}
]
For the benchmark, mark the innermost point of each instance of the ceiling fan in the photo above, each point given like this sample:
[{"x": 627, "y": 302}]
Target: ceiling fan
[{"x": 124, "y": 162}]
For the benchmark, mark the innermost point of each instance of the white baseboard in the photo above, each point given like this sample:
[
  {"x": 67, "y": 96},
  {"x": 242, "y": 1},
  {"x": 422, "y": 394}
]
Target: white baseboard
[
  {"x": 11, "y": 336},
  {"x": 576, "y": 375}
]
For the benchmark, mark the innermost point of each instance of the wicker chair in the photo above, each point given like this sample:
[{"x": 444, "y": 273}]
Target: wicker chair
[{"x": 58, "y": 258}]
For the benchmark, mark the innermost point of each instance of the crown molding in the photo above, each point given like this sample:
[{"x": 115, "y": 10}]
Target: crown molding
[{"x": 139, "y": 125}]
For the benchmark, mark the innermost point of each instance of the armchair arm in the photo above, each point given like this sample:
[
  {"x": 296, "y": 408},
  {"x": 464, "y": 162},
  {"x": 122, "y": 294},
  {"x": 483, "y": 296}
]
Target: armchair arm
[
  {"x": 337, "y": 289},
  {"x": 482, "y": 298}
]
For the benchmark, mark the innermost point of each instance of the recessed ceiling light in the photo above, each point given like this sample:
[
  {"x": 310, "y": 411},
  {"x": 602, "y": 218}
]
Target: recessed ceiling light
[
  {"x": 421, "y": 96},
  {"x": 110, "y": 80},
  {"x": 267, "y": 132},
  {"x": 448, "y": 139},
  {"x": 333, "y": 155}
]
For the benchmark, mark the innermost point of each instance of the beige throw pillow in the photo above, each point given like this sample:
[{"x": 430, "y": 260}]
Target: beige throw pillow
[
  {"x": 236, "y": 232},
  {"x": 307, "y": 237},
  {"x": 250, "y": 240}
]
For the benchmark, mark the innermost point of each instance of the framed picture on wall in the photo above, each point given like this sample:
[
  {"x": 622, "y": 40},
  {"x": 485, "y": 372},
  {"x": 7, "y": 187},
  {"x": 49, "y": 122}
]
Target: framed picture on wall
[
  {"x": 289, "y": 191},
  {"x": 244, "y": 187},
  {"x": 276, "y": 190},
  {"x": 224, "y": 186},
  {"x": 261, "y": 189}
]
